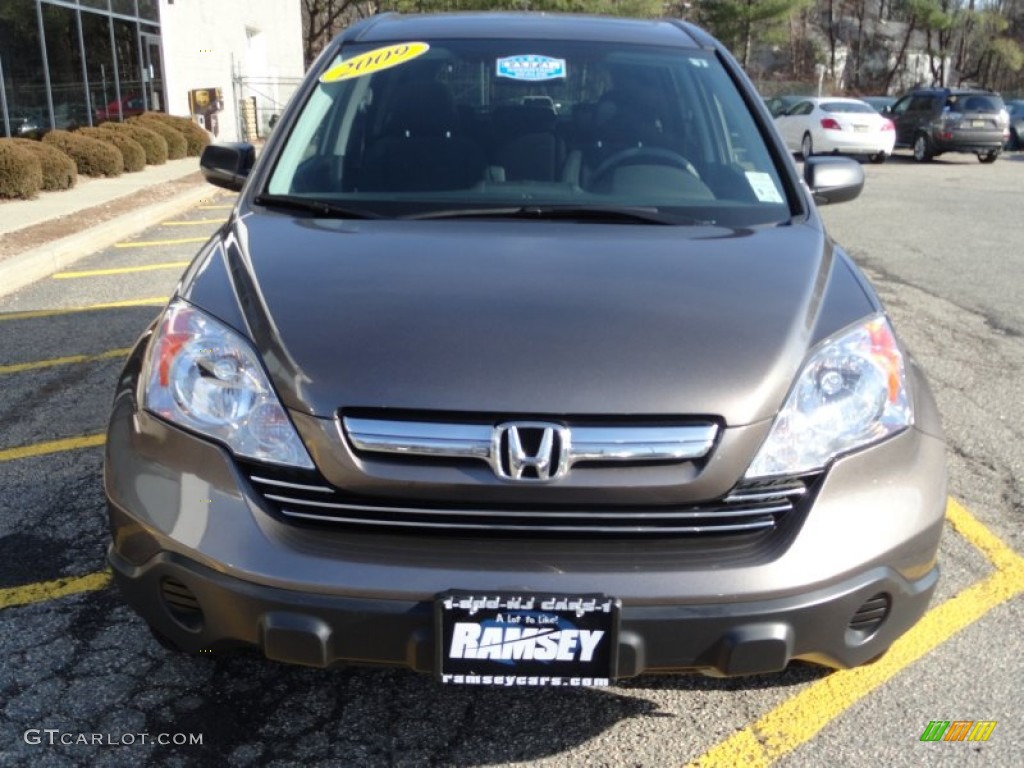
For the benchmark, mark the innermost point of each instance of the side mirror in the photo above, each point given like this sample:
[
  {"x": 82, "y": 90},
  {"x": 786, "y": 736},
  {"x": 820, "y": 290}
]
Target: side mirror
[
  {"x": 833, "y": 179},
  {"x": 227, "y": 165}
]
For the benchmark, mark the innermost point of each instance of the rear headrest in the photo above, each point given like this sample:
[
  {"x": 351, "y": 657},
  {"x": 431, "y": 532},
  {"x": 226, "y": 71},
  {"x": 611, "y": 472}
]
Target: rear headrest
[{"x": 424, "y": 109}]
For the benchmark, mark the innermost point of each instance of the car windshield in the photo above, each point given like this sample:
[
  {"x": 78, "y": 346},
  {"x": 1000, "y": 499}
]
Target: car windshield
[
  {"x": 466, "y": 126},
  {"x": 847, "y": 107}
]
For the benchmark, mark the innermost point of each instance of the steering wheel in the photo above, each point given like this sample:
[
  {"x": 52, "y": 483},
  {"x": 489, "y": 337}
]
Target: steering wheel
[{"x": 642, "y": 156}]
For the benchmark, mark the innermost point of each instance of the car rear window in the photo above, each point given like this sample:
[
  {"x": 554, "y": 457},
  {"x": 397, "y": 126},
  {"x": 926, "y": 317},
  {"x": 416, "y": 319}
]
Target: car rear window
[
  {"x": 411, "y": 127},
  {"x": 847, "y": 107},
  {"x": 974, "y": 102}
]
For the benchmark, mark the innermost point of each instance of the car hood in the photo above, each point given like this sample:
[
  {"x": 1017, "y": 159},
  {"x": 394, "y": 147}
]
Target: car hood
[{"x": 529, "y": 318}]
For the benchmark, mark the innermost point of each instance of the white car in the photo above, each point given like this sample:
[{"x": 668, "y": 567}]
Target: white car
[{"x": 837, "y": 125}]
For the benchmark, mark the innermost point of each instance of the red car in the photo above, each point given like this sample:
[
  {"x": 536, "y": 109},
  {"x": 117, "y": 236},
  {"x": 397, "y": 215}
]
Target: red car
[{"x": 129, "y": 107}]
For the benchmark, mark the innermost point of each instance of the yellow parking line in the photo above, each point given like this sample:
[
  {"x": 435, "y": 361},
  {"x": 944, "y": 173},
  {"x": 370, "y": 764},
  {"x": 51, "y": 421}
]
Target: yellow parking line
[
  {"x": 50, "y": 590},
  {"x": 801, "y": 717},
  {"x": 190, "y": 223},
  {"x": 990, "y": 545},
  {"x": 157, "y": 301},
  {"x": 51, "y": 446},
  {"x": 119, "y": 270},
  {"x": 36, "y": 365},
  {"x": 148, "y": 243}
]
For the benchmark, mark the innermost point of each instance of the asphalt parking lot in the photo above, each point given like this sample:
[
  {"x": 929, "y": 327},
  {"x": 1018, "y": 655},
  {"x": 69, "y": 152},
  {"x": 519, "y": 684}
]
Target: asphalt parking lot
[{"x": 83, "y": 683}]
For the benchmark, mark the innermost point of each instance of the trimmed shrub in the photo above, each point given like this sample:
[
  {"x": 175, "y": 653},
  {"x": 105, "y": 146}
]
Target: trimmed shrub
[
  {"x": 92, "y": 156},
  {"x": 176, "y": 144},
  {"x": 132, "y": 152},
  {"x": 21, "y": 174},
  {"x": 59, "y": 170},
  {"x": 195, "y": 137},
  {"x": 152, "y": 143}
]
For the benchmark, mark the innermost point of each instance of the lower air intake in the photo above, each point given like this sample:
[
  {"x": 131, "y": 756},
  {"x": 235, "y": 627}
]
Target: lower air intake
[
  {"x": 181, "y": 603},
  {"x": 870, "y": 615}
]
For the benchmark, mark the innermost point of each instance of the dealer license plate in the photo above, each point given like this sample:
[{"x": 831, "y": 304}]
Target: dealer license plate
[{"x": 526, "y": 640}]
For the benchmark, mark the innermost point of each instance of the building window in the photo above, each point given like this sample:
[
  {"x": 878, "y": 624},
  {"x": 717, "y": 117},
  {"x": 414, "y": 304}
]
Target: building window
[
  {"x": 129, "y": 68},
  {"x": 99, "y": 65},
  {"x": 64, "y": 56},
  {"x": 21, "y": 60},
  {"x": 124, "y": 7},
  {"x": 149, "y": 9}
]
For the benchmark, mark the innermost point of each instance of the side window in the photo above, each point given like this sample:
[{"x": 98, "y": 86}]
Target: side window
[{"x": 920, "y": 104}]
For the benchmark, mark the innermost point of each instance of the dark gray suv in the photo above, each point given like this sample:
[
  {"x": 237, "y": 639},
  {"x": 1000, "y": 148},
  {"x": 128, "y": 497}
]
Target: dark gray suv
[
  {"x": 524, "y": 359},
  {"x": 932, "y": 121}
]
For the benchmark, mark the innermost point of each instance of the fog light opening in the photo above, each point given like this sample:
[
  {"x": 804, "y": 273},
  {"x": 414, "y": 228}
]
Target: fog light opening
[
  {"x": 867, "y": 619},
  {"x": 181, "y": 604}
]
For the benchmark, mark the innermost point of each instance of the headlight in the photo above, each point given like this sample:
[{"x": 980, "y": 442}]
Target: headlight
[
  {"x": 203, "y": 376},
  {"x": 851, "y": 392}
]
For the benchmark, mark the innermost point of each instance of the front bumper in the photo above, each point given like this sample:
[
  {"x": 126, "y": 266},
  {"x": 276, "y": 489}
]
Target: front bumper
[
  {"x": 321, "y": 630},
  {"x": 197, "y": 554}
]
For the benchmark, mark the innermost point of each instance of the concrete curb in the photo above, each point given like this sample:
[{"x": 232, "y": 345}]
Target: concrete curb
[{"x": 25, "y": 268}]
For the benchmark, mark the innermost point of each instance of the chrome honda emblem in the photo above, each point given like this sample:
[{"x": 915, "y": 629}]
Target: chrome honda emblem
[{"x": 530, "y": 451}]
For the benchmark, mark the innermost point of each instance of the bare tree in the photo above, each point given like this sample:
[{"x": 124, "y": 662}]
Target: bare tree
[{"x": 323, "y": 19}]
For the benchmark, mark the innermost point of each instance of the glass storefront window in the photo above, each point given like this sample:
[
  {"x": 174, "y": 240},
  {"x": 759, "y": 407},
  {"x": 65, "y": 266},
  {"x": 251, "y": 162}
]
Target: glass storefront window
[
  {"x": 79, "y": 96},
  {"x": 21, "y": 59},
  {"x": 149, "y": 9},
  {"x": 126, "y": 49},
  {"x": 63, "y": 53},
  {"x": 127, "y": 7},
  {"x": 99, "y": 64}
]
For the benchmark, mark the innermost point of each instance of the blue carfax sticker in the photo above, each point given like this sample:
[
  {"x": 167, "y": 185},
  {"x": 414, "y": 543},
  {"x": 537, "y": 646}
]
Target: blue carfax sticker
[{"x": 531, "y": 67}]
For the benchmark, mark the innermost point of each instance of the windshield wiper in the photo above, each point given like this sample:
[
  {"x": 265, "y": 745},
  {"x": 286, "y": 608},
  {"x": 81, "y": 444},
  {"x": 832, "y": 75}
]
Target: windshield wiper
[
  {"x": 634, "y": 214},
  {"x": 321, "y": 208}
]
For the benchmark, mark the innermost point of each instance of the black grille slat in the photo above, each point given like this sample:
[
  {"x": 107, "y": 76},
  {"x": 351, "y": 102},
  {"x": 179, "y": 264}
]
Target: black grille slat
[
  {"x": 871, "y": 614},
  {"x": 306, "y": 496},
  {"x": 178, "y": 595}
]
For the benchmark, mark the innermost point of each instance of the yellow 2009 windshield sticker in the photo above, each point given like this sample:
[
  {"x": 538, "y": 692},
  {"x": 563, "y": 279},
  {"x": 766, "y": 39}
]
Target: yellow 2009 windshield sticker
[{"x": 374, "y": 61}]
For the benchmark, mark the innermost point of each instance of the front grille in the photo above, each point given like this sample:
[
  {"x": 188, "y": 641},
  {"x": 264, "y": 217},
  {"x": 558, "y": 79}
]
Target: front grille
[{"x": 749, "y": 508}]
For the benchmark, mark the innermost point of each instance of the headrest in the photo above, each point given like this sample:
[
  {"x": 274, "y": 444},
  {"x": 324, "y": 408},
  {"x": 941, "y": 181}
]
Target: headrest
[{"x": 423, "y": 109}]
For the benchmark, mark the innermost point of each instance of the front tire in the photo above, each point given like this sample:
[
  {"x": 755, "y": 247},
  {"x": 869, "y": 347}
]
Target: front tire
[
  {"x": 922, "y": 149},
  {"x": 807, "y": 146},
  {"x": 988, "y": 157}
]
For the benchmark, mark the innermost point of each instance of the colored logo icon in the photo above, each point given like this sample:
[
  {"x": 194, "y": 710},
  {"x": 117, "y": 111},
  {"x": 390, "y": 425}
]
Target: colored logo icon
[{"x": 958, "y": 730}]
